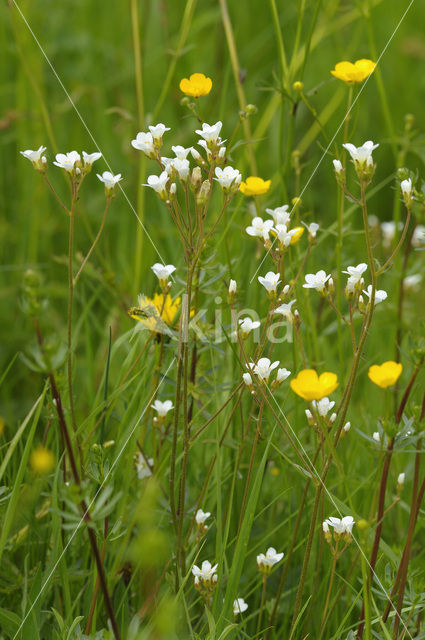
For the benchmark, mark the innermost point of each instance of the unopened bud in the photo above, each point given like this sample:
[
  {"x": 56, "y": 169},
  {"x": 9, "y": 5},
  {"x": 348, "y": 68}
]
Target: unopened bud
[
  {"x": 203, "y": 193},
  {"x": 298, "y": 86}
]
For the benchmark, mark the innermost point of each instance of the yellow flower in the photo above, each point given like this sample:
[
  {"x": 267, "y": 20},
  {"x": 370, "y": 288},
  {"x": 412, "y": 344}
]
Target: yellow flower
[
  {"x": 197, "y": 85},
  {"x": 310, "y": 386},
  {"x": 297, "y": 235},
  {"x": 357, "y": 72},
  {"x": 255, "y": 186},
  {"x": 156, "y": 312},
  {"x": 386, "y": 374},
  {"x": 42, "y": 460}
]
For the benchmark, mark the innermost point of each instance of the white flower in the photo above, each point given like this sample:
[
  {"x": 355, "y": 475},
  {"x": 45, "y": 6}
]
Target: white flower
[
  {"x": 341, "y": 526},
  {"x": 361, "y": 155},
  {"x": 325, "y": 527},
  {"x": 259, "y": 228},
  {"x": 68, "y": 160},
  {"x": 356, "y": 273},
  {"x": 338, "y": 165},
  {"x": 312, "y": 229},
  {"x": 239, "y": 606},
  {"x": 210, "y": 133},
  {"x": 418, "y": 236},
  {"x": 144, "y": 142},
  {"x": 413, "y": 281},
  {"x": 163, "y": 272},
  {"x": 157, "y": 132},
  {"x": 158, "y": 183},
  {"x": 246, "y": 377},
  {"x": 283, "y": 235},
  {"x": 206, "y": 573},
  {"x": 380, "y": 294},
  {"x": 266, "y": 562},
  {"x": 246, "y": 325},
  {"x": 400, "y": 479},
  {"x": 228, "y": 178},
  {"x": 232, "y": 286},
  {"x": 406, "y": 189},
  {"x": 181, "y": 165},
  {"x": 89, "y": 158},
  {"x": 316, "y": 280},
  {"x": 263, "y": 368},
  {"x": 201, "y": 516},
  {"x": 181, "y": 152},
  {"x": 323, "y": 406},
  {"x": 346, "y": 428},
  {"x": 109, "y": 180},
  {"x": 281, "y": 375},
  {"x": 36, "y": 157},
  {"x": 162, "y": 408},
  {"x": 270, "y": 281},
  {"x": 280, "y": 215},
  {"x": 144, "y": 467},
  {"x": 376, "y": 436},
  {"x": 286, "y": 311}
]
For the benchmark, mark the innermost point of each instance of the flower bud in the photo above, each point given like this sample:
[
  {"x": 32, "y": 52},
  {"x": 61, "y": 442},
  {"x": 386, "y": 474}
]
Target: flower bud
[
  {"x": 298, "y": 86},
  {"x": 203, "y": 194}
]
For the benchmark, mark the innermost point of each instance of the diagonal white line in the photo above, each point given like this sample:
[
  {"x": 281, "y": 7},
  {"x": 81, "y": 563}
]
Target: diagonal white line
[
  {"x": 339, "y": 128},
  {"x": 91, "y": 502},
  {"x": 85, "y": 125},
  {"x": 376, "y": 577}
]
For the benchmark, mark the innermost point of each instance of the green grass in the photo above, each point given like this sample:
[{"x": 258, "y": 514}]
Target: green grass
[{"x": 119, "y": 85}]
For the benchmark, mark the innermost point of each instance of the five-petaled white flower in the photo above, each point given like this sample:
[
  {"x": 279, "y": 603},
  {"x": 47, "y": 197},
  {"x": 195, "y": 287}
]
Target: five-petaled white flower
[
  {"x": 181, "y": 166},
  {"x": 270, "y": 282},
  {"x": 266, "y": 562},
  {"x": 239, "y": 606},
  {"x": 201, "y": 516},
  {"x": 36, "y": 157},
  {"x": 283, "y": 235},
  {"x": 144, "y": 142},
  {"x": 316, "y": 280},
  {"x": 210, "y": 133},
  {"x": 162, "y": 408},
  {"x": 181, "y": 152},
  {"x": 68, "y": 161},
  {"x": 144, "y": 466},
  {"x": 380, "y": 294},
  {"x": 356, "y": 272},
  {"x": 280, "y": 215},
  {"x": 158, "y": 183},
  {"x": 323, "y": 406},
  {"x": 109, "y": 180},
  {"x": 157, "y": 132},
  {"x": 286, "y": 311},
  {"x": 361, "y": 155},
  {"x": 205, "y": 574},
  {"x": 341, "y": 526},
  {"x": 228, "y": 178},
  {"x": 260, "y": 228},
  {"x": 263, "y": 368},
  {"x": 246, "y": 325},
  {"x": 89, "y": 158}
]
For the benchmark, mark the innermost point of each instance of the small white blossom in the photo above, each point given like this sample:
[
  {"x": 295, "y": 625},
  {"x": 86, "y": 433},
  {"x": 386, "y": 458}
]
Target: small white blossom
[
  {"x": 283, "y": 235},
  {"x": 380, "y": 294},
  {"x": 260, "y": 228},
  {"x": 201, "y": 516},
  {"x": 162, "y": 408},
  {"x": 406, "y": 189},
  {"x": 401, "y": 479},
  {"x": 286, "y": 311},
  {"x": 413, "y": 281},
  {"x": 338, "y": 166},
  {"x": 388, "y": 230},
  {"x": 280, "y": 215},
  {"x": 228, "y": 178},
  {"x": 263, "y": 368},
  {"x": 109, "y": 180},
  {"x": 232, "y": 286},
  {"x": 210, "y": 133},
  {"x": 68, "y": 160},
  {"x": 346, "y": 428},
  {"x": 89, "y": 158},
  {"x": 246, "y": 325},
  {"x": 36, "y": 157},
  {"x": 144, "y": 142},
  {"x": 206, "y": 574},
  {"x": 144, "y": 467},
  {"x": 163, "y": 272},
  {"x": 157, "y": 132},
  {"x": 325, "y": 527},
  {"x": 312, "y": 229},
  {"x": 158, "y": 183},
  {"x": 356, "y": 272},
  {"x": 376, "y": 436},
  {"x": 361, "y": 155},
  {"x": 316, "y": 280},
  {"x": 239, "y": 606},
  {"x": 181, "y": 152},
  {"x": 267, "y": 561},
  {"x": 323, "y": 406},
  {"x": 270, "y": 282},
  {"x": 341, "y": 526},
  {"x": 246, "y": 377},
  {"x": 181, "y": 166},
  {"x": 281, "y": 375}
]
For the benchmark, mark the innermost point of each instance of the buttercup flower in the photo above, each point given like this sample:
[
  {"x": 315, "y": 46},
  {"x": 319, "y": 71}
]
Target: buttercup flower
[
  {"x": 196, "y": 86},
  {"x": 263, "y": 368},
  {"x": 316, "y": 280},
  {"x": 280, "y": 215},
  {"x": 246, "y": 325},
  {"x": 228, "y": 178},
  {"x": 266, "y": 562},
  {"x": 68, "y": 161},
  {"x": 144, "y": 467},
  {"x": 255, "y": 186},
  {"x": 386, "y": 374},
  {"x": 285, "y": 311},
  {"x": 239, "y": 606},
  {"x": 361, "y": 156},
  {"x": 260, "y": 228},
  {"x": 270, "y": 282},
  {"x": 351, "y": 73},
  {"x": 42, "y": 461},
  {"x": 37, "y": 158},
  {"x": 109, "y": 180},
  {"x": 309, "y": 386},
  {"x": 380, "y": 294},
  {"x": 156, "y": 313}
]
